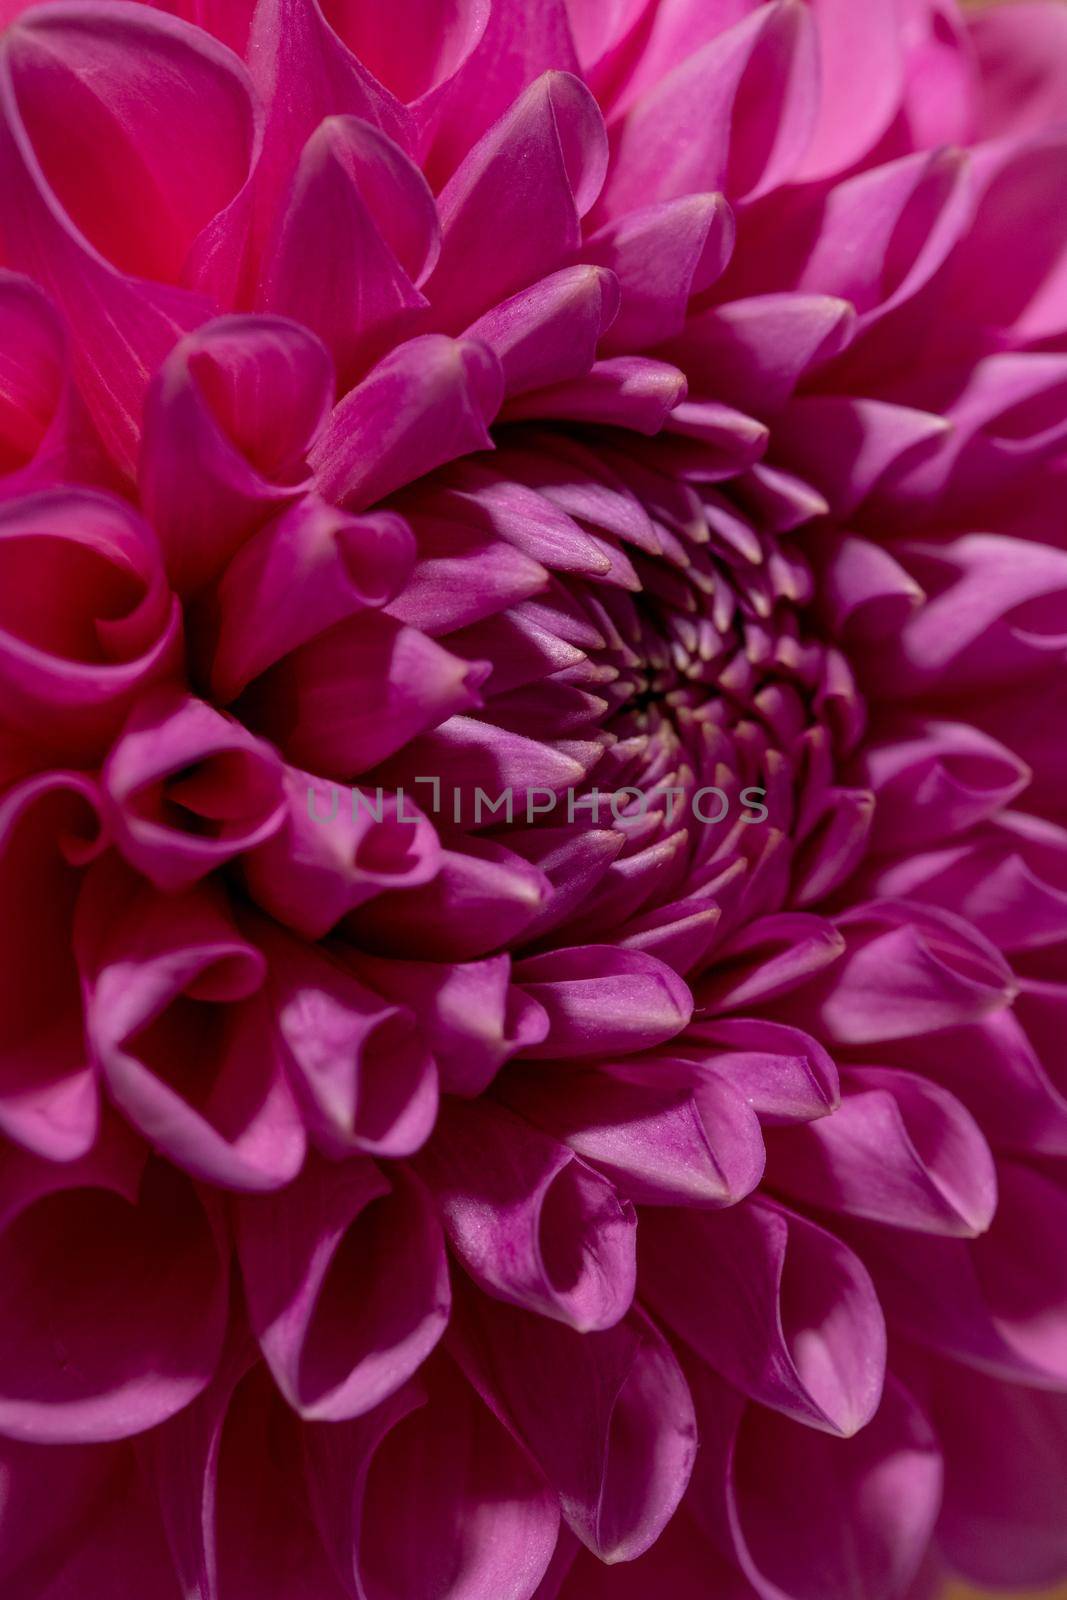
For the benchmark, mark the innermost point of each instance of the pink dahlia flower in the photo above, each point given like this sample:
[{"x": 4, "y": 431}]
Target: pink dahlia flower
[{"x": 533, "y": 806}]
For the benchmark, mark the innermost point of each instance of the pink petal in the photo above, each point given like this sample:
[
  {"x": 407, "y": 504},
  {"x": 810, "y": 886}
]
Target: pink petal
[
  {"x": 426, "y": 403},
  {"x": 661, "y": 255},
  {"x": 360, "y": 1067},
  {"x": 49, "y": 1099},
  {"x": 484, "y": 1528},
  {"x": 601, "y": 1000},
  {"x": 108, "y": 1254},
  {"x": 531, "y": 1224},
  {"x": 333, "y": 852},
  {"x": 339, "y": 1342},
  {"x": 180, "y": 1029},
  {"x": 897, "y": 1150},
  {"x": 359, "y": 234},
  {"x": 228, "y": 422},
  {"x": 779, "y": 1307},
  {"x": 620, "y": 1393},
  {"x": 86, "y": 618},
  {"x": 529, "y": 180},
  {"x": 186, "y": 789}
]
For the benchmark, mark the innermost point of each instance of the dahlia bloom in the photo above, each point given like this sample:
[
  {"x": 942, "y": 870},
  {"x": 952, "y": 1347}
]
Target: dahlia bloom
[{"x": 533, "y": 807}]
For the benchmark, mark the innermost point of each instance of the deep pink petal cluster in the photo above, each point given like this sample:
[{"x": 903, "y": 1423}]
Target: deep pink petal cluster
[{"x": 533, "y": 815}]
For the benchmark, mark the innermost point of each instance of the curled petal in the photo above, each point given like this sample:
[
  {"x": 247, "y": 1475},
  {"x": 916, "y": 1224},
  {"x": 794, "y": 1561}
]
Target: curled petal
[
  {"x": 996, "y": 613},
  {"x": 754, "y": 352},
  {"x": 897, "y": 1150},
  {"x": 484, "y": 896},
  {"x": 665, "y": 1133},
  {"x": 994, "y": 1302},
  {"x": 484, "y": 1523},
  {"x": 528, "y": 181},
  {"x": 44, "y": 435},
  {"x": 779, "y": 1307},
  {"x": 848, "y": 447},
  {"x": 548, "y": 334},
  {"x": 623, "y": 392},
  {"x": 424, "y": 404},
  {"x": 347, "y": 1285},
  {"x": 332, "y": 854},
  {"x": 784, "y": 1074},
  {"x": 164, "y": 117},
  {"x": 309, "y": 568},
  {"x": 601, "y": 1000},
  {"x": 353, "y": 695},
  {"x": 861, "y": 1510},
  {"x": 934, "y": 779},
  {"x": 769, "y": 958},
  {"x": 472, "y": 1016},
  {"x": 530, "y": 1223},
  {"x": 907, "y": 969},
  {"x": 661, "y": 255},
  {"x": 736, "y": 115},
  {"x": 187, "y": 789},
  {"x": 109, "y": 1255},
  {"x": 180, "y": 1029},
  {"x": 359, "y": 233},
  {"x": 620, "y": 1392},
  {"x": 49, "y": 1099},
  {"x": 86, "y": 619},
  {"x": 360, "y": 1067},
  {"x": 227, "y": 425}
]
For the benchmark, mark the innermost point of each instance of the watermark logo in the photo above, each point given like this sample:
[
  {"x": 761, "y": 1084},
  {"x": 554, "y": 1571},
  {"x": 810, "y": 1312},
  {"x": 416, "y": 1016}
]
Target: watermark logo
[{"x": 476, "y": 807}]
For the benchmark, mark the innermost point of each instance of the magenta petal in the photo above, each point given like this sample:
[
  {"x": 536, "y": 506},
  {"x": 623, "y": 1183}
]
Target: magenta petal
[
  {"x": 622, "y": 392},
  {"x": 360, "y": 232},
  {"x": 815, "y": 1518},
  {"x": 548, "y": 334},
  {"x": 86, "y": 619},
  {"x": 336, "y": 850},
  {"x": 908, "y": 969},
  {"x": 1022, "y": 57},
  {"x": 186, "y": 790},
  {"x": 995, "y": 1302},
  {"x": 661, "y": 255},
  {"x": 182, "y": 1034},
  {"x": 935, "y": 779},
  {"x": 360, "y": 1067},
  {"x": 620, "y": 1393},
  {"x": 780, "y": 1308},
  {"x": 109, "y": 1254},
  {"x": 897, "y": 1150},
  {"x": 530, "y": 1223},
  {"x": 484, "y": 1528},
  {"x": 736, "y": 115},
  {"x": 49, "y": 1098},
  {"x": 164, "y": 117},
  {"x": 228, "y": 421},
  {"x": 783, "y": 1073},
  {"x": 664, "y": 1132},
  {"x": 426, "y": 403},
  {"x": 45, "y": 435},
  {"x": 337, "y": 1343},
  {"x": 1005, "y": 1449},
  {"x": 349, "y": 698},
  {"x": 49, "y": 1493},
  {"x": 601, "y": 1000},
  {"x": 529, "y": 181},
  {"x": 754, "y": 352},
  {"x": 309, "y": 568},
  {"x": 471, "y": 1014}
]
